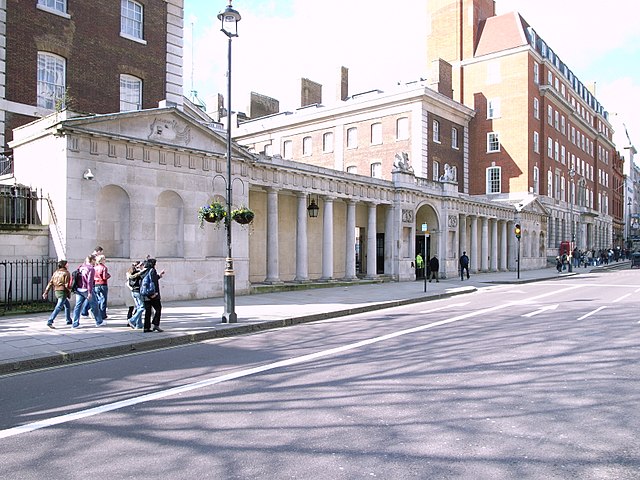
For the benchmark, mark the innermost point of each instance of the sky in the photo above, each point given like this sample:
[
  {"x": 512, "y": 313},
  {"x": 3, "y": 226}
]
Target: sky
[{"x": 383, "y": 43}]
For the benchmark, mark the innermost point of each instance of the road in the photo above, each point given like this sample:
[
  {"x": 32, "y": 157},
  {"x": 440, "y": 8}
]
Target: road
[{"x": 535, "y": 381}]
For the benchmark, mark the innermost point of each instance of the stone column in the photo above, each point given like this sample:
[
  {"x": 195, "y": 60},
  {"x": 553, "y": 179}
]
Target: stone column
[
  {"x": 302, "y": 259},
  {"x": 273, "y": 265},
  {"x": 390, "y": 237},
  {"x": 327, "y": 239},
  {"x": 473, "y": 254},
  {"x": 512, "y": 246},
  {"x": 503, "y": 245},
  {"x": 350, "y": 254},
  {"x": 494, "y": 244},
  {"x": 371, "y": 241},
  {"x": 484, "y": 253},
  {"x": 462, "y": 235}
]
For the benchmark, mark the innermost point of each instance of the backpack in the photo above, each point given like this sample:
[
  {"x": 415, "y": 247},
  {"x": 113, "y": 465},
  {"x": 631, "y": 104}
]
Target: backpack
[
  {"x": 148, "y": 287},
  {"x": 76, "y": 280}
]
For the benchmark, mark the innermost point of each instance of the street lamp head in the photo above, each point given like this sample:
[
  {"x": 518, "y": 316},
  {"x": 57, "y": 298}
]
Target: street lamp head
[{"x": 229, "y": 19}]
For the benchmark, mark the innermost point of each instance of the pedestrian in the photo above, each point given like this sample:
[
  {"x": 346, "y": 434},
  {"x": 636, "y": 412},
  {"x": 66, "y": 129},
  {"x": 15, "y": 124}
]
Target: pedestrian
[
  {"x": 96, "y": 251},
  {"x": 101, "y": 289},
  {"x": 419, "y": 266},
  {"x": 434, "y": 266},
  {"x": 60, "y": 281},
  {"x": 464, "y": 265},
  {"x": 150, "y": 290},
  {"x": 558, "y": 264},
  {"x": 134, "y": 279},
  {"x": 84, "y": 293}
]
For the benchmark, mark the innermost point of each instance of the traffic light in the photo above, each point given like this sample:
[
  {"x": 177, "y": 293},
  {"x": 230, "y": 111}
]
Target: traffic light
[{"x": 517, "y": 231}]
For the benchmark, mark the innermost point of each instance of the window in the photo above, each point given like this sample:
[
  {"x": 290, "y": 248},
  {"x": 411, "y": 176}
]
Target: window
[
  {"x": 51, "y": 80},
  {"x": 352, "y": 137},
  {"x": 57, "y": 5},
  {"x": 306, "y": 146},
  {"x": 549, "y": 147},
  {"x": 536, "y": 142},
  {"x": 402, "y": 128},
  {"x": 550, "y": 115},
  {"x": 493, "y": 142},
  {"x": 287, "y": 150},
  {"x": 563, "y": 154},
  {"x": 556, "y": 152},
  {"x": 536, "y": 180},
  {"x": 435, "y": 173},
  {"x": 436, "y": 131},
  {"x": 352, "y": 169},
  {"x": 454, "y": 138},
  {"x": 493, "y": 180},
  {"x": 563, "y": 125},
  {"x": 550, "y": 183},
  {"x": 536, "y": 108},
  {"x": 376, "y": 170},
  {"x": 536, "y": 72},
  {"x": 131, "y": 19},
  {"x": 327, "y": 142},
  {"x": 268, "y": 150},
  {"x": 376, "y": 134},
  {"x": 493, "y": 108},
  {"x": 130, "y": 93},
  {"x": 557, "y": 120}
]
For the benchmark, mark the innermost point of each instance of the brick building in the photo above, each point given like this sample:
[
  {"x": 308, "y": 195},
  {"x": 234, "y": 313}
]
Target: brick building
[
  {"x": 537, "y": 128},
  {"x": 93, "y": 57}
]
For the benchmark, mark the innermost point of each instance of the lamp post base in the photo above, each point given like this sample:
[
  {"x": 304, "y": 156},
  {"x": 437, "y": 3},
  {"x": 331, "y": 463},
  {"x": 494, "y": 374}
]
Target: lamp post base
[{"x": 229, "y": 315}]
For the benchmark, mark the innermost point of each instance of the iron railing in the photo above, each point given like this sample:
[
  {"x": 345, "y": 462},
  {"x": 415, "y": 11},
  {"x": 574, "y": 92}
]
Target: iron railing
[
  {"x": 20, "y": 205},
  {"x": 22, "y": 283}
]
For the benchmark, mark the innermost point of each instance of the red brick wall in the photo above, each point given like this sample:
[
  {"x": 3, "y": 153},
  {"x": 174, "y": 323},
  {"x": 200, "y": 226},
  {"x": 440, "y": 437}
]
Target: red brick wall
[{"x": 95, "y": 53}]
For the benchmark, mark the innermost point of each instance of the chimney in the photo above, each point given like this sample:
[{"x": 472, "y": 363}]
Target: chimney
[
  {"x": 343, "y": 84},
  {"x": 261, "y": 105},
  {"x": 441, "y": 77},
  {"x": 310, "y": 92}
]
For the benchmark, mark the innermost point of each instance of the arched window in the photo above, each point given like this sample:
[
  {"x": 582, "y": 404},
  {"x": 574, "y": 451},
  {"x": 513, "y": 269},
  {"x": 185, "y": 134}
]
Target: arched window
[
  {"x": 130, "y": 93},
  {"x": 51, "y": 81}
]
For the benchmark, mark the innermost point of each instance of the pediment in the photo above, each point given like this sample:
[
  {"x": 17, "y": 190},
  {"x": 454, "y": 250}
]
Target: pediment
[{"x": 166, "y": 126}]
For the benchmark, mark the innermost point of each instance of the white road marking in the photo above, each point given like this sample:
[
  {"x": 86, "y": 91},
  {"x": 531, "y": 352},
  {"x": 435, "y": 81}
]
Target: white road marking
[
  {"x": 445, "y": 307},
  {"x": 541, "y": 310},
  {"x": 622, "y": 297},
  {"x": 592, "y": 312},
  {"x": 49, "y": 422}
]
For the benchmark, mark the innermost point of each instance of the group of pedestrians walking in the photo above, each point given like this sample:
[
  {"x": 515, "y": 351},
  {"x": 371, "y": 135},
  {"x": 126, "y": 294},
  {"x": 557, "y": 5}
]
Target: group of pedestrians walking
[
  {"x": 434, "y": 267},
  {"x": 89, "y": 283}
]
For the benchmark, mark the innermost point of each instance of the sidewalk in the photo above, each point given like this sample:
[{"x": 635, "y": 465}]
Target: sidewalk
[{"x": 27, "y": 343}]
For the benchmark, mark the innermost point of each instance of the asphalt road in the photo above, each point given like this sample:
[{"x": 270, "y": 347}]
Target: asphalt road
[{"x": 515, "y": 381}]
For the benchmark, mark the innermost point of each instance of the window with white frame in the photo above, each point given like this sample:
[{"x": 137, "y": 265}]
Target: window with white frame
[
  {"x": 557, "y": 120},
  {"x": 493, "y": 108},
  {"x": 536, "y": 142},
  {"x": 563, "y": 125},
  {"x": 131, "y": 19},
  {"x": 436, "y": 131},
  {"x": 550, "y": 115},
  {"x": 563, "y": 189},
  {"x": 51, "y": 80},
  {"x": 402, "y": 128},
  {"x": 550, "y": 183},
  {"x": 327, "y": 142},
  {"x": 536, "y": 108},
  {"x": 536, "y": 180},
  {"x": 563, "y": 154},
  {"x": 556, "y": 151},
  {"x": 268, "y": 150},
  {"x": 352, "y": 169},
  {"x": 376, "y": 134},
  {"x": 493, "y": 180},
  {"x": 306, "y": 146},
  {"x": 287, "y": 149},
  {"x": 454, "y": 138},
  {"x": 130, "y": 93},
  {"x": 57, "y": 5},
  {"x": 352, "y": 137},
  {"x": 435, "y": 171},
  {"x": 549, "y": 147},
  {"x": 376, "y": 170},
  {"x": 493, "y": 142},
  {"x": 536, "y": 72}
]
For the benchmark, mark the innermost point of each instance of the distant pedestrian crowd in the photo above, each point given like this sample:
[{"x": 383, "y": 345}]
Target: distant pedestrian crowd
[{"x": 89, "y": 283}]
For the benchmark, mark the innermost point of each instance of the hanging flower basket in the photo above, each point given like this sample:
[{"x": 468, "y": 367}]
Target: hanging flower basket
[
  {"x": 215, "y": 212},
  {"x": 243, "y": 215}
]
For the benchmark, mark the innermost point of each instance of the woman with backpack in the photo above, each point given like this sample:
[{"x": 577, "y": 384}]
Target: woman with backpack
[
  {"x": 60, "y": 281},
  {"x": 150, "y": 291}
]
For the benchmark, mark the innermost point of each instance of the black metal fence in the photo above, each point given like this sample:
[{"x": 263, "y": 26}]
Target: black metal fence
[
  {"x": 22, "y": 283},
  {"x": 20, "y": 205}
]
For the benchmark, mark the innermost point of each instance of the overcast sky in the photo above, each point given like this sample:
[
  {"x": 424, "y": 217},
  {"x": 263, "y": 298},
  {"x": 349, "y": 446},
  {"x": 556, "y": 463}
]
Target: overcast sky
[{"x": 382, "y": 43}]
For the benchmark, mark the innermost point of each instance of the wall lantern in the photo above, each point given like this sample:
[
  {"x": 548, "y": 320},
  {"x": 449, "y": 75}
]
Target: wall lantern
[
  {"x": 313, "y": 208},
  {"x": 88, "y": 174}
]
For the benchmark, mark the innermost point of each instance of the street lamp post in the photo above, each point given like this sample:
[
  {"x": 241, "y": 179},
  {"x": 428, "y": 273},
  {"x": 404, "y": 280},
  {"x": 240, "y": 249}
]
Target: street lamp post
[
  {"x": 229, "y": 19},
  {"x": 572, "y": 173}
]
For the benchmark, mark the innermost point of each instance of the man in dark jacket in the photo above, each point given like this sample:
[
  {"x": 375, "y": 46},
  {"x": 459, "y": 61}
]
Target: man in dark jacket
[
  {"x": 434, "y": 266},
  {"x": 464, "y": 265},
  {"x": 152, "y": 300}
]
